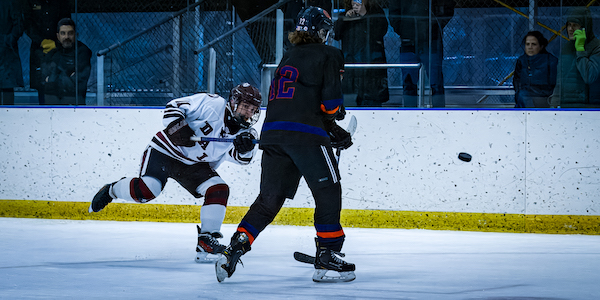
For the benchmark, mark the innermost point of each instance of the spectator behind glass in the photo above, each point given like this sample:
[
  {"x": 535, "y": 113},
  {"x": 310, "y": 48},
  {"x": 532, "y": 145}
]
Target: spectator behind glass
[
  {"x": 535, "y": 73},
  {"x": 410, "y": 19},
  {"x": 11, "y": 29},
  {"x": 361, "y": 29},
  {"x": 578, "y": 84},
  {"x": 66, "y": 71},
  {"x": 41, "y": 17}
]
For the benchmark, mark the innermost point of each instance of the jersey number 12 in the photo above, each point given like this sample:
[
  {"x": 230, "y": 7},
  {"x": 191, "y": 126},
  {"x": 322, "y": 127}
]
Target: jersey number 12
[{"x": 280, "y": 88}]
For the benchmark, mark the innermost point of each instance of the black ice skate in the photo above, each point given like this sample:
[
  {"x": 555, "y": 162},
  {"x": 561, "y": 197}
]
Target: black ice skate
[
  {"x": 208, "y": 249},
  {"x": 329, "y": 260},
  {"x": 102, "y": 199},
  {"x": 225, "y": 265}
]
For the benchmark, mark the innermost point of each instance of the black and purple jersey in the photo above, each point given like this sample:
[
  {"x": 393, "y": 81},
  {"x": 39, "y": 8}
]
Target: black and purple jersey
[{"x": 305, "y": 91}]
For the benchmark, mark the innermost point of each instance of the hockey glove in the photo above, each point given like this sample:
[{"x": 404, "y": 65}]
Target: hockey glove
[
  {"x": 341, "y": 114},
  {"x": 243, "y": 142},
  {"x": 179, "y": 132},
  {"x": 580, "y": 39},
  {"x": 339, "y": 137}
]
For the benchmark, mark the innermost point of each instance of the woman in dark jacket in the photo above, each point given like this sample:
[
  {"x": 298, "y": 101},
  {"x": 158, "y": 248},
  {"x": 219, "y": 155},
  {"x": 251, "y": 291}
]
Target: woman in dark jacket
[{"x": 535, "y": 73}]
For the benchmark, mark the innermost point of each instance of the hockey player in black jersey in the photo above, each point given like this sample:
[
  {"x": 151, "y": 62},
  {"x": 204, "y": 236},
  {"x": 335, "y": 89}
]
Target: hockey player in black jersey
[
  {"x": 171, "y": 154},
  {"x": 297, "y": 138}
]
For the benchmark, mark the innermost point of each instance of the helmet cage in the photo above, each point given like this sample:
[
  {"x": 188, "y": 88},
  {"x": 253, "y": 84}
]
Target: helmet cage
[{"x": 243, "y": 93}]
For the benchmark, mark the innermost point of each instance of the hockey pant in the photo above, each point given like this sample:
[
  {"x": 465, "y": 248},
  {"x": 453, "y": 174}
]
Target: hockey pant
[
  {"x": 282, "y": 168},
  {"x": 157, "y": 167}
]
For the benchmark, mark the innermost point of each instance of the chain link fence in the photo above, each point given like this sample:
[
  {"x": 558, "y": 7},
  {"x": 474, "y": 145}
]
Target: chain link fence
[
  {"x": 161, "y": 62},
  {"x": 151, "y": 45},
  {"x": 482, "y": 42}
]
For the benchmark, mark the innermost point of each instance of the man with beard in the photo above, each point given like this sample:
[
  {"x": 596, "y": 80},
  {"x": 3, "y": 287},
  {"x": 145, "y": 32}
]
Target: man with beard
[
  {"x": 67, "y": 68},
  {"x": 41, "y": 17}
]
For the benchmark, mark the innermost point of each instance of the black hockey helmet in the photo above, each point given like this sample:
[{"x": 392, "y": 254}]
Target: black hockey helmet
[
  {"x": 312, "y": 20},
  {"x": 243, "y": 96}
]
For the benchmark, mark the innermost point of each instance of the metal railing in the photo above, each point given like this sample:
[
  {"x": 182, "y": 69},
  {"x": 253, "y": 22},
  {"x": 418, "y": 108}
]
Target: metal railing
[
  {"x": 267, "y": 76},
  {"x": 100, "y": 55}
]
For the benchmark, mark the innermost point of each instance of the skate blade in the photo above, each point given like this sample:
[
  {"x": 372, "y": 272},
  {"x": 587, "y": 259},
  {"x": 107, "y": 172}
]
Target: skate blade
[
  {"x": 90, "y": 210},
  {"x": 320, "y": 275},
  {"x": 220, "y": 272},
  {"x": 206, "y": 258}
]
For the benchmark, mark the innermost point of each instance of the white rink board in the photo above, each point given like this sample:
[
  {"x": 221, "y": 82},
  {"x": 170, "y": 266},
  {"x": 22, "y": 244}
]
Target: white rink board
[{"x": 524, "y": 161}]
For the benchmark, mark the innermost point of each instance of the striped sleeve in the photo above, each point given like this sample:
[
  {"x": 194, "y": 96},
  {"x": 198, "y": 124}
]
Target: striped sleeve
[{"x": 174, "y": 110}]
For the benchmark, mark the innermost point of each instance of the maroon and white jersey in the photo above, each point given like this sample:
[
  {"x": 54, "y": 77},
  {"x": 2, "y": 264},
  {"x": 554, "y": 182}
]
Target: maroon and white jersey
[{"x": 205, "y": 114}]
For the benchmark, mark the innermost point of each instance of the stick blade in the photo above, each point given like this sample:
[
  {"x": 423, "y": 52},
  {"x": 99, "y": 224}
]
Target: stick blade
[
  {"x": 305, "y": 258},
  {"x": 352, "y": 125}
]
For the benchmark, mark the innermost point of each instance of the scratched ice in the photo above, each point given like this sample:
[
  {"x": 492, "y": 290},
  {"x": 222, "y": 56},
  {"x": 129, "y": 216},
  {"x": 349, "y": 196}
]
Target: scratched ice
[{"x": 65, "y": 259}]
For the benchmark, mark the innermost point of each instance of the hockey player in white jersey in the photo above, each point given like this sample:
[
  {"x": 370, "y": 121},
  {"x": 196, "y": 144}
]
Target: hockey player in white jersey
[{"x": 172, "y": 154}]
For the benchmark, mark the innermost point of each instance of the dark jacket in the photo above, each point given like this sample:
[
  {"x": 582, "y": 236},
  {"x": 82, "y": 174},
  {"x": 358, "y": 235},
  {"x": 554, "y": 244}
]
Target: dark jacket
[
  {"x": 535, "y": 76},
  {"x": 362, "y": 37},
  {"x": 59, "y": 68},
  {"x": 410, "y": 19},
  {"x": 11, "y": 29},
  {"x": 579, "y": 71},
  {"x": 41, "y": 19}
]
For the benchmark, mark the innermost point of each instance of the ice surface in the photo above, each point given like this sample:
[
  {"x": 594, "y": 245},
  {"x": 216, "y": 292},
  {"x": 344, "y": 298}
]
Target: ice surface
[{"x": 66, "y": 259}]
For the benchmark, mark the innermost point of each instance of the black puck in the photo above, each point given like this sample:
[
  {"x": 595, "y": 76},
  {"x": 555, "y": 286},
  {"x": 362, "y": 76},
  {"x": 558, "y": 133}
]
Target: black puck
[{"x": 464, "y": 156}]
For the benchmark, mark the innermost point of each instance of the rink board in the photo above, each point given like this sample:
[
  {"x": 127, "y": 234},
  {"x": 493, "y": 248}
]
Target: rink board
[
  {"x": 526, "y": 163},
  {"x": 489, "y": 222}
]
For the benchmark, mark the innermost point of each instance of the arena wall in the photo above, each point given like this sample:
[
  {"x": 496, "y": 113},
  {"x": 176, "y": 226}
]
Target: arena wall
[{"x": 530, "y": 169}]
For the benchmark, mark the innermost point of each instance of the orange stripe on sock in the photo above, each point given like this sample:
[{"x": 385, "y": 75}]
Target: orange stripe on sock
[
  {"x": 250, "y": 237},
  {"x": 331, "y": 235}
]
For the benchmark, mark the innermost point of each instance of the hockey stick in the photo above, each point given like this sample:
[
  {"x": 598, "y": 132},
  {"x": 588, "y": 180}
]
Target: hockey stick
[
  {"x": 305, "y": 258},
  {"x": 212, "y": 139},
  {"x": 351, "y": 129}
]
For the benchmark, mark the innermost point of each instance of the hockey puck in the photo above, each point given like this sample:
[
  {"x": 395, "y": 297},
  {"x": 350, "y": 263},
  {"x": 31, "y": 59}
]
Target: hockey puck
[{"x": 464, "y": 156}]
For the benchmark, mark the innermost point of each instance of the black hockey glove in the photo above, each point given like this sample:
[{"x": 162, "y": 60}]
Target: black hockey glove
[
  {"x": 339, "y": 137},
  {"x": 179, "y": 132},
  {"x": 341, "y": 114},
  {"x": 243, "y": 142}
]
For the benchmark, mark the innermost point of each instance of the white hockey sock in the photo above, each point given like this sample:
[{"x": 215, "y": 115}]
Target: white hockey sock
[
  {"x": 211, "y": 217},
  {"x": 121, "y": 189}
]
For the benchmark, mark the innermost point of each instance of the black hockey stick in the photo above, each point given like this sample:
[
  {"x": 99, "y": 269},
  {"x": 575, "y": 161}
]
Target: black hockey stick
[
  {"x": 305, "y": 258},
  {"x": 212, "y": 139}
]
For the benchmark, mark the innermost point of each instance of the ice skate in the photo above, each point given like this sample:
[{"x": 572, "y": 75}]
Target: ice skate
[
  {"x": 329, "y": 260},
  {"x": 102, "y": 199},
  {"x": 208, "y": 249},
  {"x": 225, "y": 265}
]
